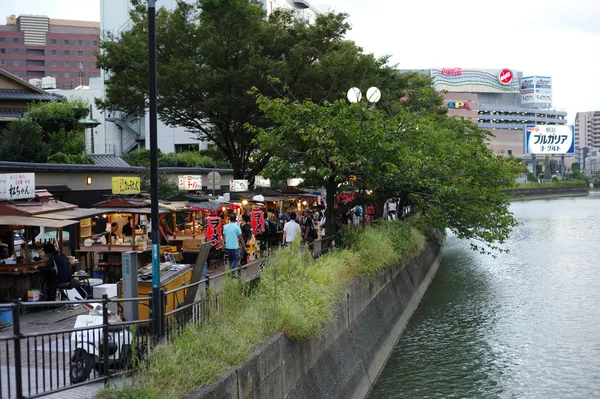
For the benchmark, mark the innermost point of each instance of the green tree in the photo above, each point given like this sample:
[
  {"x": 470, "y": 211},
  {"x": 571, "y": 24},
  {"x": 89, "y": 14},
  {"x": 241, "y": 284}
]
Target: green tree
[
  {"x": 23, "y": 141},
  {"x": 211, "y": 53},
  {"x": 442, "y": 163},
  {"x": 166, "y": 187}
]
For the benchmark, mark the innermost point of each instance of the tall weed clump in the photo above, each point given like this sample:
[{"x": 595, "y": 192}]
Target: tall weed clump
[{"x": 296, "y": 295}]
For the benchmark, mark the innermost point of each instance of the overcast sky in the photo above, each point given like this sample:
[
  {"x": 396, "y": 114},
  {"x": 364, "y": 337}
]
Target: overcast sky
[{"x": 538, "y": 37}]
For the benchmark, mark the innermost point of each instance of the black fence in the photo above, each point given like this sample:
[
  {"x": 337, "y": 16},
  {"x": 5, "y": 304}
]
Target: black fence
[{"x": 40, "y": 363}]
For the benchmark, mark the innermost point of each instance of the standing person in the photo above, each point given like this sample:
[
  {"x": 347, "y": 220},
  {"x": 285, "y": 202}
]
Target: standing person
[
  {"x": 356, "y": 215},
  {"x": 114, "y": 226},
  {"x": 392, "y": 207},
  {"x": 370, "y": 214},
  {"x": 246, "y": 228},
  {"x": 291, "y": 229},
  {"x": 127, "y": 229},
  {"x": 322, "y": 222},
  {"x": 164, "y": 229},
  {"x": 308, "y": 226},
  {"x": 232, "y": 236},
  {"x": 57, "y": 270}
]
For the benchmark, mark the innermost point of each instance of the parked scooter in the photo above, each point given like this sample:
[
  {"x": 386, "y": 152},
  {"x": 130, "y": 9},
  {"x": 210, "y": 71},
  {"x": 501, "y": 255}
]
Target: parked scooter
[{"x": 89, "y": 345}]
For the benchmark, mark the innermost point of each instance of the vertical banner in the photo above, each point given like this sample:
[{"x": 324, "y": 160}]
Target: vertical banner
[
  {"x": 214, "y": 230},
  {"x": 257, "y": 219}
]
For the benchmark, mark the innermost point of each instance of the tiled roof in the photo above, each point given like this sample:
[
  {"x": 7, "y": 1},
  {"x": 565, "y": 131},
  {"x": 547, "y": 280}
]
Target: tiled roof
[
  {"x": 12, "y": 112},
  {"x": 7, "y": 94},
  {"x": 108, "y": 160}
]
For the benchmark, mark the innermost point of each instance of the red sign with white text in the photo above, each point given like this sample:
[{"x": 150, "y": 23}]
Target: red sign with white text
[
  {"x": 257, "y": 219},
  {"x": 505, "y": 76},
  {"x": 214, "y": 231}
]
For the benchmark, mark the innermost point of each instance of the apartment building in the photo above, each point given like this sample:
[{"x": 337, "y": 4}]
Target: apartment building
[{"x": 34, "y": 47}]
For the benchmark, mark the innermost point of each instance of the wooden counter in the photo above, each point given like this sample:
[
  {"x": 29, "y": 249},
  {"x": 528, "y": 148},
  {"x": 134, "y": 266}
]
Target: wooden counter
[{"x": 15, "y": 284}]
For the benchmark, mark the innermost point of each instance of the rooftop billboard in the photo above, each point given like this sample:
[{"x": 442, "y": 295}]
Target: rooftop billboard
[
  {"x": 549, "y": 139},
  {"x": 454, "y": 79},
  {"x": 536, "y": 90}
]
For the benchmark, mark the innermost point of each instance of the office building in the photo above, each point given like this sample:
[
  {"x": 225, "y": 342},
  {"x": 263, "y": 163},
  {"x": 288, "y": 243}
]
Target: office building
[{"x": 35, "y": 47}]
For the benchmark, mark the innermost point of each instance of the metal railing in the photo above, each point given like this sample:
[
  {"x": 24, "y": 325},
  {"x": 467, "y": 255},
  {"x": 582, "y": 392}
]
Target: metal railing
[{"x": 35, "y": 364}]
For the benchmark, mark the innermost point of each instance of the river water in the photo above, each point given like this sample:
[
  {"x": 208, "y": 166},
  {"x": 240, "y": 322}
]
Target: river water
[{"x": 523, "y": 325}]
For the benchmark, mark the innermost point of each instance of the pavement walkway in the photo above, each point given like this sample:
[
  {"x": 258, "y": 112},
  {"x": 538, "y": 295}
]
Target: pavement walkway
[{"x": 49, "y": 349}]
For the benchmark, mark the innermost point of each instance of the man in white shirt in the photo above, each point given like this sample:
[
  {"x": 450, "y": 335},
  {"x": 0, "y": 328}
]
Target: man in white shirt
[{"x": 291, "y": 229}]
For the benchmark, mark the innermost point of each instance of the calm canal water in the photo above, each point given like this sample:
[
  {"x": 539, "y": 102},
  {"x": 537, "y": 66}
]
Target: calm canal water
[{"x": 523, "y": 325}]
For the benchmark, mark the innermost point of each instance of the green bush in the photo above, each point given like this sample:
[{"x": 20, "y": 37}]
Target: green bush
[{"x": 296, "y": 295}]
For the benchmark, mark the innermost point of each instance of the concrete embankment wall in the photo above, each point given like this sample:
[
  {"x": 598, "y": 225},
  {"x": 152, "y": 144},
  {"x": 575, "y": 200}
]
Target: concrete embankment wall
[
  {"x": 547, "y": 192},
  {"x": 345, "y": 361}
]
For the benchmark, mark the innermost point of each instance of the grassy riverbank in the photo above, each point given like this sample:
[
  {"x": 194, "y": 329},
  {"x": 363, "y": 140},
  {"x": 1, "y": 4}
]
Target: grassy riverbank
[{"x": 296, "y": 295}]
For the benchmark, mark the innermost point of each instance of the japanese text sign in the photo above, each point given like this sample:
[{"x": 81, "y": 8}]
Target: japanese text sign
[
  {"x": 125, "y": 185},
  {"x": 190, "y": 182},
  {"x": 15, "y": 186},
  {"x": 549, "y": 139},
  {"x": 214, "y": 230},
  {"x": 238, "y": 185},
  {"x": 257, "y": 219}
]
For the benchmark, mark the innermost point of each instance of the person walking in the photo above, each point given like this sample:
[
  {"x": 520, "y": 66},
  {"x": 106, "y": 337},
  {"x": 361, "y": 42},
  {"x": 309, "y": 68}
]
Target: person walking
[{"x": 232, "y": 236}]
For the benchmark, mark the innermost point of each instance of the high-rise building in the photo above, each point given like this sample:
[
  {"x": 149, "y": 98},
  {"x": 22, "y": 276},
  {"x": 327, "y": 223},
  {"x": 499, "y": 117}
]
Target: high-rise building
[
  {"x": 34, "y": 47},
  {"x": 587, "y": 129}
]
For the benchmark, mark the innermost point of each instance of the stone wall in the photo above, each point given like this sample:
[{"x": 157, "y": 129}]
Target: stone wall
[
  {"x": 345, "y": 361},
  {"x": 547, "y": 192}
]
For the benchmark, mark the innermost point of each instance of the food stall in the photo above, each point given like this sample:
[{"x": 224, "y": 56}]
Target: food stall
[
  {"x": 99, "y": 250},
  {"x": 25, "y": 210}
]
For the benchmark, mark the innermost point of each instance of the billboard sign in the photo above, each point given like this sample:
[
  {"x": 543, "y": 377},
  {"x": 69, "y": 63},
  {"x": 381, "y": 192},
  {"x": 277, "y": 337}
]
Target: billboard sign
[
  {"x": 536, "y": 90},
  {"x": 14, "y": 186},
  {"x": 549, "y": 139},
  {"x": 238, "y": 185},
  {"x": 125, "y": 185},
  {"x": 190, "y": 182},
  {"x": 260, "y": 181}
]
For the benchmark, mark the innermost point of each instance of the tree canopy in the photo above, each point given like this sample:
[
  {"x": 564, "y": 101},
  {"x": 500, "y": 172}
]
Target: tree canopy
[
  {"x": 52, "y": 131},
  {"x": 211, "y": 53},
  {"x": 441, "y": 163}
]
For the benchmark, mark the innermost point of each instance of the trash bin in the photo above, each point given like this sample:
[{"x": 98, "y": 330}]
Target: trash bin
[{"x": 6, "y": 315}]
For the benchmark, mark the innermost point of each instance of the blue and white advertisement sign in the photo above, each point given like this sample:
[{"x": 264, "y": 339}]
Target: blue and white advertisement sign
[{"x": 549, "y": 139}]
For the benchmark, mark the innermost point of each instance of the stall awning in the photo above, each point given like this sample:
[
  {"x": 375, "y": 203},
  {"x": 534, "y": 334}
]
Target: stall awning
[
  {"x": 73, "y": 214},
  {"x": 141, "y": 211},
  {"x": 9, "y": 220}
]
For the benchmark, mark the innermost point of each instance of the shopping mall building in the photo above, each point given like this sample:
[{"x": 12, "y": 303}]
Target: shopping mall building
[{"x": 500, "y": 100}]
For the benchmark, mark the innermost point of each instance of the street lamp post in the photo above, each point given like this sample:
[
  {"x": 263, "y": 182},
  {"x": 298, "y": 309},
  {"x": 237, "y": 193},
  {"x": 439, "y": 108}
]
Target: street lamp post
[{"x": 156, "y": 297}]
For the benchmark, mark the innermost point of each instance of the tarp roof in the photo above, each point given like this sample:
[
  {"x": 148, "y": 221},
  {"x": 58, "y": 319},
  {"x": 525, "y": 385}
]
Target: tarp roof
[
  {"x": 42, "y": 203},
  {"x": 8, "y": 220},
  {"x": 73, "y": 214}
]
